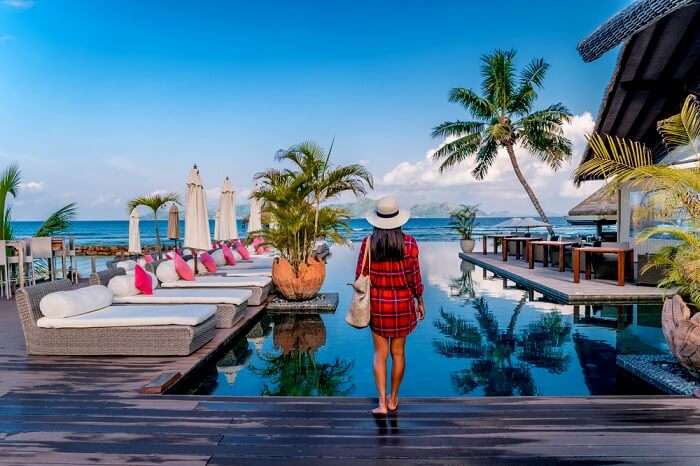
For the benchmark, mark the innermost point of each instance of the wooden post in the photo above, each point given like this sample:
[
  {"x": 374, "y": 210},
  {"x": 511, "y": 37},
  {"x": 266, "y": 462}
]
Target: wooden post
[
  {"x": 621, "y": 268},
  {"x": 576, "y": 263},
  {"x": 483, "y": 239},
  {"x": 504, "y": 246}
]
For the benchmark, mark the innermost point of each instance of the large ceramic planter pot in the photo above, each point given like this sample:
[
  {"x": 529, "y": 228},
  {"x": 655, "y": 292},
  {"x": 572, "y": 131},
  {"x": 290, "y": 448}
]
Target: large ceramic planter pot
[
  {"x": 682, "y": 332},
  {"x": 467, "y": 245},
  {"x": 302, "y": 286}
]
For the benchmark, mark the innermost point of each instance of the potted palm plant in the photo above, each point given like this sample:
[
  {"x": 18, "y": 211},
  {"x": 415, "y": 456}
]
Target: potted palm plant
[
  {"x": 462, "y": 221},
  {"x": 294, "y": 200}
]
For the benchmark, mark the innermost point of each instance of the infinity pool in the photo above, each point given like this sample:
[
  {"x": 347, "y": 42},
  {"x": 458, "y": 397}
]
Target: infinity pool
[{"x": 480, "y": 337}]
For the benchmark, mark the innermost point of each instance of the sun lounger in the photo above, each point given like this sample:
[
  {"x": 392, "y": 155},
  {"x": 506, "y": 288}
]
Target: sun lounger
[
  {"x": 259, "y": 286},
  {"x": 230, "y": 303},
  {"x": 113, "y": 330}
]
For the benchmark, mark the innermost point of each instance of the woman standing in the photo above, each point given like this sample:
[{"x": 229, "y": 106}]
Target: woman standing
[{"x": 396, "y": 295}]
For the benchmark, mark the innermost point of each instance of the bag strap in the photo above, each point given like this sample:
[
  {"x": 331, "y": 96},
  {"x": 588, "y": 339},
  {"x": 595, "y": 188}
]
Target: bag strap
[{"x": 367, "y": 257}]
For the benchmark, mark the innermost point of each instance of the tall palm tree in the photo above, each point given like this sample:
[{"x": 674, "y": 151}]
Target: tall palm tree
[
  {"x": 324, "y": 180},
  {"x": 503, "y": 118},
  {"x": 154, "y": 202}
]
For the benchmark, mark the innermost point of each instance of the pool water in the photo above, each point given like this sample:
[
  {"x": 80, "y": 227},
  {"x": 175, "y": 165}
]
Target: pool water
[{"x": 481, "y": 337}]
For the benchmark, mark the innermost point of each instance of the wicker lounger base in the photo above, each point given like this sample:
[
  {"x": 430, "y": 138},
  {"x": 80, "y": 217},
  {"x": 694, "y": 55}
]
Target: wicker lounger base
[
  {"x": 162, "y": 340},
  {"x": 227, "y": 315}
]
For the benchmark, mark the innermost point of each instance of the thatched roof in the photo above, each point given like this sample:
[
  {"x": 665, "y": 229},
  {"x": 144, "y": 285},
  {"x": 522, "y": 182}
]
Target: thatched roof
[
  {"x": 625, "y": 24},
  {"x": 599, "y": 207},
  {"x": 657, "y": 68}
]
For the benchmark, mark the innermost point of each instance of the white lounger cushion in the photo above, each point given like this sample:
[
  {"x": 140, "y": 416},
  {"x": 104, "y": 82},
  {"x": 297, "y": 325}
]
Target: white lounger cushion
[
  {"x": 217, "y": 281},
  {"x": 127, "y": 265},
  {"x": 189, "y": 315},
  {"x": 166, "y": 272},
  {"x": 219, "y": 258},
  {"x": 123, "y": 285},
  {"x": 232, "y": 272},
  {"x": 189, "y": 296},
  {"x": 64, "y": 304}
]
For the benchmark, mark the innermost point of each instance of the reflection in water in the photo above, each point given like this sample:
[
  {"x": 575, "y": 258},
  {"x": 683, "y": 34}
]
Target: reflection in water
[
  {"x": 463, "y": 286},
  {"x": 235, "y": 360},
  {"x": 295, "y": 371},
  {"x": 502, "y": 358}
]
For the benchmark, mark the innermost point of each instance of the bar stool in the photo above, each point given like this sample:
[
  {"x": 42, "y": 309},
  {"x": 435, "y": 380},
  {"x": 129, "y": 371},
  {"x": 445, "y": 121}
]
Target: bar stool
[
  {"x": 73, "y": 258},
  {"x": 25, "y": 272},
  {"x": 4, "y": 271},
  {"x": 41, "y": 250}
]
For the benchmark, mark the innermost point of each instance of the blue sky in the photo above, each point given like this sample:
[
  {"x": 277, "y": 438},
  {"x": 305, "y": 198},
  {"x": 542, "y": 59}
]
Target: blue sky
[{"x": 105, "y": 100}]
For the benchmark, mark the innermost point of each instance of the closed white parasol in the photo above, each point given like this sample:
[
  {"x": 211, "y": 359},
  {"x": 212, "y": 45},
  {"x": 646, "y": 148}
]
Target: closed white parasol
[
  {"x": 134, "y": 233},
  {"x": 227, "y": 207},
  {"x": 197, "y": 234}
]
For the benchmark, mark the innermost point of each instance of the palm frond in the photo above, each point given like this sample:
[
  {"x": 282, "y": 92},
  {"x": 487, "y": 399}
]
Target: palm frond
[
  {"x": 614, "y": 157},
  {"x": 59, "y": 221},
  {"x": 683, "y": 129},
  {"x": 10, "y": 180},
  {"x": 485, "y": 157},
  {"x": 153, "y": 201},
  {"x": 457, "y": 129},
  {"x": 456, "y": 152},
  {"x": 478, "y": 106},
  {"x": 498, "y": 74},
  {"x": 531, "y": 79}
]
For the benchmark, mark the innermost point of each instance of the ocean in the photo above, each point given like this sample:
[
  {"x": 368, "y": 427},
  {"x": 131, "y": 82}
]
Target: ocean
[{"x": 116, "y": 232}]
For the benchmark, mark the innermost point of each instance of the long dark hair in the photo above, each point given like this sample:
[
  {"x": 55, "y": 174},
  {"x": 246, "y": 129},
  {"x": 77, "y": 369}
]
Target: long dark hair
[{"x": 387, "y": 245}]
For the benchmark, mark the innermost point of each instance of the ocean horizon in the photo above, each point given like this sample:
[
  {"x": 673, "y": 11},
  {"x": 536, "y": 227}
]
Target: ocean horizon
[{"x": 116, "y": 232}]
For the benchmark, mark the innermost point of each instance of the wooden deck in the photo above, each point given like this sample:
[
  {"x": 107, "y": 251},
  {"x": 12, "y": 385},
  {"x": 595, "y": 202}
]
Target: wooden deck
[
  {"x": 560, "y": 286},
  {"x": 78, "y": 411}
]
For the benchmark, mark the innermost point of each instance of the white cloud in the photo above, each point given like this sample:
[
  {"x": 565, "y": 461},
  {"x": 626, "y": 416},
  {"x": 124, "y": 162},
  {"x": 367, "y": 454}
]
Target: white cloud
[
  {"x": 364, "y": 162},
  {"x": 21, "y": 4},
  {"x": 32, "y": 186},
  {"x": 554, "y": 189}
]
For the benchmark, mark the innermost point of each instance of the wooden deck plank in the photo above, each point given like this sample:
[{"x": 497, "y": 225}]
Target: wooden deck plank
[{"x": 560, "y": 286}]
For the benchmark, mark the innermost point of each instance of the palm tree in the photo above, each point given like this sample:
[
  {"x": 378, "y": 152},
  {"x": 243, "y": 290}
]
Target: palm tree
[
  {"x": 154, "y": 202},
  {"x": 58, "y": 221},
  {"x": 324, "y": 180},
  {"x": 504, "y": 119}
]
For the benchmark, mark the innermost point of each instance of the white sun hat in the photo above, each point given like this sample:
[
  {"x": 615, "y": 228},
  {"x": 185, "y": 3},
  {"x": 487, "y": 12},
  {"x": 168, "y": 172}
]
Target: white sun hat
[{"x": 387, "y": 215}]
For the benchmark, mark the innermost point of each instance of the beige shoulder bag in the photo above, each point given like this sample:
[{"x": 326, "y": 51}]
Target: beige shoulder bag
[{"x": 359, "y": 313}]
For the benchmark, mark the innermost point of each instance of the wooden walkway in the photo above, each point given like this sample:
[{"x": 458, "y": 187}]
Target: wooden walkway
[
  {"x": 560, "y": 286},
  {"x": 79, "y": 411},
  {"x": 178, "y": 430}
]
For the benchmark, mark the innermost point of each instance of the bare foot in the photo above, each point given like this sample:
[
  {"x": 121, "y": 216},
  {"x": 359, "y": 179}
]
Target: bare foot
[
  {"x": 392, "y": 403},
  {"x": 380, "y": 410}
]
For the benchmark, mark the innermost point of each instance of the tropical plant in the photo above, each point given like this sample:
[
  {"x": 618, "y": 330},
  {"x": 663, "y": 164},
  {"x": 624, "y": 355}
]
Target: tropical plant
[
  {"x": 10, "y": 183},
  {"x": 58, "y": 221},
  {"x": 462, "y": 220},
  {"x": 501, "y": 357},
  {"x": 154, "y": 202},
  {"x": 630, "y": 163},
  {"x": 504, "y": 119},
  {"x": 10, "y": 180},
  {"x": 293, "y": 200},
  {"x": 324, "y": 181}
]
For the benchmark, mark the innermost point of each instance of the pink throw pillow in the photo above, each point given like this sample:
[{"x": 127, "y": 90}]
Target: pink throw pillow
[
  {"x": 182, "y": 269},
  {"x": 228, "y": 255},
  {"x": 148, "y": 258},
  {"x": 143, "y": 280},
  {"x": 243, "y": 251},
  {"x": 208, "y": 262}
]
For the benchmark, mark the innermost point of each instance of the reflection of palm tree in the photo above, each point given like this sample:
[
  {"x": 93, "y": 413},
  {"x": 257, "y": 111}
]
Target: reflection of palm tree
[
  {"x": 234, "y": 361},
  {"x": 502, "y": 358},
  {"x": 295, "y": 370}
]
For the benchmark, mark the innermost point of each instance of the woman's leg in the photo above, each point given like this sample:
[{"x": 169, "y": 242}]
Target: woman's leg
[
  {"x": 398, "y": 364},
  {"x": 381, "y": 353}
]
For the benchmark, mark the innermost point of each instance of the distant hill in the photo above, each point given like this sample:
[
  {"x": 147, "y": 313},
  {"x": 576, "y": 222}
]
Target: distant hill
[{"x": 360, "y": 208}]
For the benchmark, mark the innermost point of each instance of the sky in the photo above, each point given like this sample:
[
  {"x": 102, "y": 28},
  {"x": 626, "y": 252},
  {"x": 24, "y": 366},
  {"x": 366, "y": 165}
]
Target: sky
[{"x": 102, "y": 101}]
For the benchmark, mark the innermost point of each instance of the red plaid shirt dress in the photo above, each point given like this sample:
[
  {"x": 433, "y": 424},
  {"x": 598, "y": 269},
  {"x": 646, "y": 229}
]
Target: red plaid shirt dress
[{"x": 395, "y": 285}]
